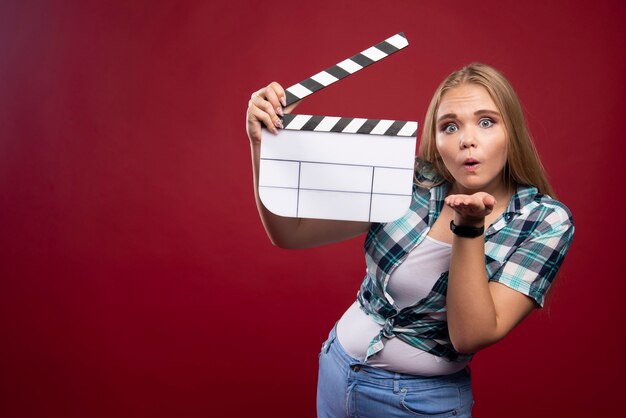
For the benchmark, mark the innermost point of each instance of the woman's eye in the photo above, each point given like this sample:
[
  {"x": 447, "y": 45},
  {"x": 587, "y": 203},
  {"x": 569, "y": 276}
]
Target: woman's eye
[
  {"x": 449, "y": 128},
  {"x": 485, "y": 123}
]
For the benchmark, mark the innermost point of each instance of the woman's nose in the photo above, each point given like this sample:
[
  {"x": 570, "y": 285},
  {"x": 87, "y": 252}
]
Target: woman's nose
[{"x": 466, "y": 140}]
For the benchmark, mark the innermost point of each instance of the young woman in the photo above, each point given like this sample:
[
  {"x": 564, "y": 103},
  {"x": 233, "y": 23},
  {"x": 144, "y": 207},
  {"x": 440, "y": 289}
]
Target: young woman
[{"x": 475, "y": 253}]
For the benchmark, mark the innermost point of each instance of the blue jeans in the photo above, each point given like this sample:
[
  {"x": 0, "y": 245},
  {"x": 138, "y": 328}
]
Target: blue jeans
[{"x": 347, "y": 387}]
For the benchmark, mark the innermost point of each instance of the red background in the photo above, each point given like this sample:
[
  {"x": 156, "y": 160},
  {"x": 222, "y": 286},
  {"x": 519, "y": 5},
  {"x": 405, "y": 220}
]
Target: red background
[{"x": 135, "y": 276}]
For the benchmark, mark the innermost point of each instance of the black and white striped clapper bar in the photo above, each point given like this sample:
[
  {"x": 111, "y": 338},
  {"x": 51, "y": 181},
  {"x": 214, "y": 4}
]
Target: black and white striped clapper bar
[
  {"x": 346, "y": 67},
  {"x": 329, "y": 167}
]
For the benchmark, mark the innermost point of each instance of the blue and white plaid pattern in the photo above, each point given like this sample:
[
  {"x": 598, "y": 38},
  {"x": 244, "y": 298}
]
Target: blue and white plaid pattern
[{"x": 524, "y": 249}]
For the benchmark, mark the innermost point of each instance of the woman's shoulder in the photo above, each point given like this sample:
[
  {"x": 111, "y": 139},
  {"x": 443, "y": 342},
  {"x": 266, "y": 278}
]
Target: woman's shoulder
[{"x": 542, "y": 209}]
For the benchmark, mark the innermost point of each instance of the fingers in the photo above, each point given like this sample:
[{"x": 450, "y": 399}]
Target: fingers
[
  {"x": 271, "y": 118},
  {"x": 264, "y": 109},
  {"x": 275, "y": 95},
  {"x": 478, "y": 200},
  {"x": 256, "y": 117},
  {"x": 461, "y": 200},
  {"x": 279, "y": 96},
  {"x": 282, "y": 98},
  {"x": 489, "y": 201},
  {"x": 470, "y": 209}
]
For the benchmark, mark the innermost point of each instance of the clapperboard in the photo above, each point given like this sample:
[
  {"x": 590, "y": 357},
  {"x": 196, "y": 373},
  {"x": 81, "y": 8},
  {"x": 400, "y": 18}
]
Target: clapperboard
[{"x": 329, "y": 167}]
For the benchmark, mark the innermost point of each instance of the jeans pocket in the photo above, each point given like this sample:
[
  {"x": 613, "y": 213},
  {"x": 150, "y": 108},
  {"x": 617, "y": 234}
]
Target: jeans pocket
[{"x": 437, "y": 402}]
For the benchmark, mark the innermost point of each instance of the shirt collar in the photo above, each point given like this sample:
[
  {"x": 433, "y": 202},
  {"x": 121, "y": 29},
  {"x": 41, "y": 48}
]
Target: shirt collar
[
  {"x": 437, "y": 196},
  {"x": 521, "y": 198}
]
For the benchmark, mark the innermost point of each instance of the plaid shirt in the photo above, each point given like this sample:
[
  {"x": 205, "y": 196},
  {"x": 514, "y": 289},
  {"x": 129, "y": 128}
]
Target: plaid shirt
[{"x": 524, "y": 249}]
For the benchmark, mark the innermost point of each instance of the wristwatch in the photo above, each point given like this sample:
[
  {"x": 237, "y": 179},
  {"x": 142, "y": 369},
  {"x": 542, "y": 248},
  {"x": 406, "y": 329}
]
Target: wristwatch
[{"x": 466, "y": 231}]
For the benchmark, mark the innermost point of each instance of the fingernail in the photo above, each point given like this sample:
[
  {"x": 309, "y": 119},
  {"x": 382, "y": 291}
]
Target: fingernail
[
  {"x": 279, "y": 111},
  {"x": 283, "y": 100},
  {"x": 278, "y": 123}
]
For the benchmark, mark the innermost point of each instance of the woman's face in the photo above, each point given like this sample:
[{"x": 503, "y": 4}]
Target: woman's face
[{"x": 471, "y": 139}]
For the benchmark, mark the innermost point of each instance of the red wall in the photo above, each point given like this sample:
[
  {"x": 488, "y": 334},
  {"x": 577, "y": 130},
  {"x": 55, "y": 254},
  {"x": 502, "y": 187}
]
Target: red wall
[{"x": 135, "y": 276}]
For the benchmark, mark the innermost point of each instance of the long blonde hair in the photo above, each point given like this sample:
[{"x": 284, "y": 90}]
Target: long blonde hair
[{"x": 523, "y": 165}]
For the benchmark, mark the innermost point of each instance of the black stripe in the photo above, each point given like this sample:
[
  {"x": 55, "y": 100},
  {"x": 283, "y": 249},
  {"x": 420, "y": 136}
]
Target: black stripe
[
  {"x": 341, "y": 124},
  {"x": 395, "y": 128},
  {"x": 290, "y": 98},
  {"x": 386, "y": 47},
  {"x": 288, "y": 118},
  {"x": 312, "y": 85},
  {"x": 337, "y": 72},
  {"x": 362, "y": 60},
  {"x": 368, "y": 126},
  {"x": 312, "y": 123}
]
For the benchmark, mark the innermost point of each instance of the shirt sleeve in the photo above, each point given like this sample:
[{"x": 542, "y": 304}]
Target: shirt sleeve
[{"x": 534, "y": 263}]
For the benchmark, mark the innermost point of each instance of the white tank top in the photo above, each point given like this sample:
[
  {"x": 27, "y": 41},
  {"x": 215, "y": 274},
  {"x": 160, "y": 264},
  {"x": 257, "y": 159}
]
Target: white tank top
[{"x": 411, "y": 281}]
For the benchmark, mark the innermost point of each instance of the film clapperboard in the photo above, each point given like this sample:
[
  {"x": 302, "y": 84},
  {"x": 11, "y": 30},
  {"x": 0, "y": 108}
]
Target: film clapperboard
[{"x": 329, "y": 167}]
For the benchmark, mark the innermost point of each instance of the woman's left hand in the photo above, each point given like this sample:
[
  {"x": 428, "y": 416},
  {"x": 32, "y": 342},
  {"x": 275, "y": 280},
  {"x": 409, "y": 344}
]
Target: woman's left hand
[{"x": 471, "y": 209}]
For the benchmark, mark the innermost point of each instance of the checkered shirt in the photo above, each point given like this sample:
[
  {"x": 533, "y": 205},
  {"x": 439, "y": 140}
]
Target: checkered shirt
[{"x": 524, "y": 249}]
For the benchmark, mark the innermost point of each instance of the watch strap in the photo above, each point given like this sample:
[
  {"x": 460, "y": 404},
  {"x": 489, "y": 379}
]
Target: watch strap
[{"x": 466, "y": 231}]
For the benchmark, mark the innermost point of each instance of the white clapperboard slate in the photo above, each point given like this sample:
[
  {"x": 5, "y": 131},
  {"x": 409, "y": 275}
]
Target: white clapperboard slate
[{"x": 328, "y": 167}]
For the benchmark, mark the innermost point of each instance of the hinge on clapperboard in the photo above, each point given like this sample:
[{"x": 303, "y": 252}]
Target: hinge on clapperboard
[{"x": 330, "y": 167}]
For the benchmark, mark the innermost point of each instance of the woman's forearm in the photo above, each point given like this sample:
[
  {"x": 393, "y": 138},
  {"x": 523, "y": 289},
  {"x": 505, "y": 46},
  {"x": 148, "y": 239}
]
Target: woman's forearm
[
  {"x": 480, "y": 312},
  {"x": 472, "y": 317}
]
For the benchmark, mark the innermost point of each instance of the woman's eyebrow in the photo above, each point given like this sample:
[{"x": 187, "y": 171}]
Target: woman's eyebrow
[
  {"x": 446, "y": 116},
  {"x": 486, "y": 112},
  {"x": 480, "y": 112}
]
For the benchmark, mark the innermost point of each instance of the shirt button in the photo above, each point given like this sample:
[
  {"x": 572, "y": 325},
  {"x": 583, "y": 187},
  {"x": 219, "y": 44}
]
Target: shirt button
[{"x": 355, "y": 368}]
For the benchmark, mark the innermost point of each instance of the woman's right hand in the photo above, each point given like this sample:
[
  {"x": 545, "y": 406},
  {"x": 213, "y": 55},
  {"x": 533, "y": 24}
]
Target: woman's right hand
[{"x": 265, "y": 108}]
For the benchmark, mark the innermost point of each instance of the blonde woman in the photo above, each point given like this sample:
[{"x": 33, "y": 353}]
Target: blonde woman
[{"x": 473, "y": 256}]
